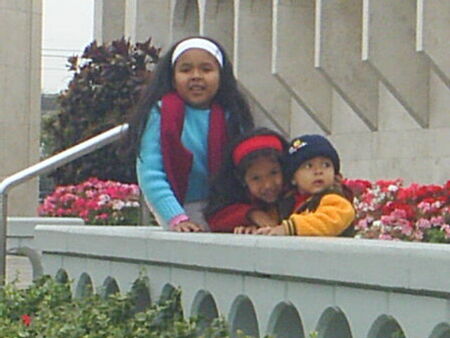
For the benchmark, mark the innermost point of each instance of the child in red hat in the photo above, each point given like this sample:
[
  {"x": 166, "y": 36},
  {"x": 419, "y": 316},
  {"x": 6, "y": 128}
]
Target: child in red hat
[{"x": 245, "y": 194}]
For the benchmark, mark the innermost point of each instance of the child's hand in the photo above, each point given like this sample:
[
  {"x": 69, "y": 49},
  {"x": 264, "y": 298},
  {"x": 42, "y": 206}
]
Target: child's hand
[
  {"x": 245, "y": 230},
  {"x": 263, "y": 230},
  {"x": 272, "y": 231},
  {"x": 187, "y": 227},
  {"x": 279, "y": 230}
]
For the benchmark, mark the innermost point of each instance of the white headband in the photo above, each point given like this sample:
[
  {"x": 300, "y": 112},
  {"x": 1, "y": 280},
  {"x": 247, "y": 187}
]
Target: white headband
[{"x": 204, "y": 44}]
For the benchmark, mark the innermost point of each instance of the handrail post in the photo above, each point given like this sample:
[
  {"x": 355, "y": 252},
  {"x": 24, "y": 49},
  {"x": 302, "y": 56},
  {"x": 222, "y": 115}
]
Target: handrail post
[{"x": 3, "y": 227}]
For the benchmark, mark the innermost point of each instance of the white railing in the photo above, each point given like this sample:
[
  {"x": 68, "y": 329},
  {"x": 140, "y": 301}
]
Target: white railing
[
  {"x": 44, "y": 167},
  {"x": 285, "y": 286}
]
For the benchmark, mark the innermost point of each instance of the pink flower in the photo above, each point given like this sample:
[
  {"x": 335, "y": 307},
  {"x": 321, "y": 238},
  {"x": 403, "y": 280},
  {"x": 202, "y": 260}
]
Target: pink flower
[
  {"x": 423, "y": 223},
  {"x": 96, "y": 201}
]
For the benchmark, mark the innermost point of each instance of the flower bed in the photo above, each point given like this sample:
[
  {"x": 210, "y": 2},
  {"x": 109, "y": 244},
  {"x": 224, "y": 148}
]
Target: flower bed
[
  {"x": 388, "y": 210},
  {"x": 384, "y": 209},
  {"x": 95, "y": 201}
]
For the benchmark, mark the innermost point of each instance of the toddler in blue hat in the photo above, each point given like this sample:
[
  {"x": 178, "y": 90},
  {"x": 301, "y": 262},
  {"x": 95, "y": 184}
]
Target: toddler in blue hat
[{"x": 323, "y": 205}]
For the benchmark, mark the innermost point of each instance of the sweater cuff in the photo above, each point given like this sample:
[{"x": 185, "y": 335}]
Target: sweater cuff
[
  {"x": 177, "y": 219},
  {"x": 289, "y": 227}
]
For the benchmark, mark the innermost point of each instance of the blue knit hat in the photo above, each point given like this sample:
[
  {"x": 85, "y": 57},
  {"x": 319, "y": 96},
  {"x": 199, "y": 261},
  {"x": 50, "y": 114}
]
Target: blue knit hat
[{"x": 306, "y": 147}]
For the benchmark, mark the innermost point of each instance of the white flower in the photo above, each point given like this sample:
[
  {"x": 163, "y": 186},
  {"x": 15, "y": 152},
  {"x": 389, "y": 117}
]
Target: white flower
[{"x": 117, "y": 204}]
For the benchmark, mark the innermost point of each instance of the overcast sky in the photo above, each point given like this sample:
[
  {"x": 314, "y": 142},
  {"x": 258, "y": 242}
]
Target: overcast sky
[{"x": 67, "y": 29}]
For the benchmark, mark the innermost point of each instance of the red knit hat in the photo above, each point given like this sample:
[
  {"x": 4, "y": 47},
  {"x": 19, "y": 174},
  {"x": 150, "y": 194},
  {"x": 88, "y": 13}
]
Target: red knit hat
[{"x": 254, "y": 143}]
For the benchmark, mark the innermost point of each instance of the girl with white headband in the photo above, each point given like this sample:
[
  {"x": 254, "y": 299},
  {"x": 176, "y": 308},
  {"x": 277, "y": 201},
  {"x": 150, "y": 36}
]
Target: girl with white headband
[{"x": 178, "y": 131}]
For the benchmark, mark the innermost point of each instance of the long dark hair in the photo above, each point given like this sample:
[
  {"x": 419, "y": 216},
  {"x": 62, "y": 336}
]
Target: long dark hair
[
  {"x": 228, "y": 96},
  {"x": 227, "y": 186}
]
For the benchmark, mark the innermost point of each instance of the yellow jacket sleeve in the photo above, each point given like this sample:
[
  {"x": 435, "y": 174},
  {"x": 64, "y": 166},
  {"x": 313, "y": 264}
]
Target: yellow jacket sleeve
[{"x": 333, "y": 215}]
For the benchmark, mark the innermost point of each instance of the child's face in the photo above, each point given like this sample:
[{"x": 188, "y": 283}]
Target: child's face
[
  {"x": 314, "y": 175},
  {"x": 197, "y": 77},
  {"x": 264, "y": 179}
]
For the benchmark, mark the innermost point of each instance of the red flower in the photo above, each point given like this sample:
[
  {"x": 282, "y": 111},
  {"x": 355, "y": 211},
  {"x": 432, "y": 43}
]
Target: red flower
[{"x": 26, "y": 320}]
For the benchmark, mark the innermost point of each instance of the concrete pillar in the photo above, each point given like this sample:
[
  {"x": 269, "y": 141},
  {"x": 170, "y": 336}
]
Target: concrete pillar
[
  {"x": 185, "y": 19},
  {"x": 146, "y": 19},
  {"x": 338, "y": 56},
  {"x": 433, "y": 28},
  {"x": 293, "y": 59},
  {"x": 253, "y": 59},
  {"x": 20, "y": 89},
  {"x": 389, "y": 41},
  {"x": 218, "y": 23},
  {"x": 109, "y": 20}
]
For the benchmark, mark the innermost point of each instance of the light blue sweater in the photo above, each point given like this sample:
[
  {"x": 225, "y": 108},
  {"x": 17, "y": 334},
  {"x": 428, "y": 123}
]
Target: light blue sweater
[{"x": 151, "y": 175}]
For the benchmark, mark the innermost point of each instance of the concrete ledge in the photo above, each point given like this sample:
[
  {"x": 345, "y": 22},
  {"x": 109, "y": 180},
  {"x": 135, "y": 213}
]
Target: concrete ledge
[
  {"x": 405, "y": 267},
  {"x": 20, "y": 230}
]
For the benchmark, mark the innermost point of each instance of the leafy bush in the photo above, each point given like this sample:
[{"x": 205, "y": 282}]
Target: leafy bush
[
  {"x": 107, "y": 81},
  {"x": 95, "y": 201},
  {"x": 388, "y": 210},
  {"x": 47, "y": 309}
]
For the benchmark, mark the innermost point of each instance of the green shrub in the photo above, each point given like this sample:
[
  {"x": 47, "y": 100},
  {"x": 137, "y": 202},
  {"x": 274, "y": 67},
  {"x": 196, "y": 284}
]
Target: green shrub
[
  {"x": 47, "y": 309},
  {"x": 106, "y": 83}
]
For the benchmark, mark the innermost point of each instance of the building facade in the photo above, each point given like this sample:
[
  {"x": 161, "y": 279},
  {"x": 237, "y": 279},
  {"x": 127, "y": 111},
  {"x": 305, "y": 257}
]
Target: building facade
[{"x": 372, "y": 75}]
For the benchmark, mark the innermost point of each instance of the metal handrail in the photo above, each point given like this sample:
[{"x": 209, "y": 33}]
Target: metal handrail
[{"x": 44, "y": 167}]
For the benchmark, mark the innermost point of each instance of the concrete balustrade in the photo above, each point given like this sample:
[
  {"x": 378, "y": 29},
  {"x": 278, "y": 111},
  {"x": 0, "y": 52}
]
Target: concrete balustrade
[
  {"x": 280, "y": 285},
  {"x": 20, "y": 237},
  {"x": 20, "y": 230}
]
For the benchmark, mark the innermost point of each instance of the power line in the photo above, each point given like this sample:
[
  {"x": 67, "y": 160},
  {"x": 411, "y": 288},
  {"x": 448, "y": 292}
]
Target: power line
[
  {"x": 55, "y": 56},
  {"x": 62, "y": 50}
]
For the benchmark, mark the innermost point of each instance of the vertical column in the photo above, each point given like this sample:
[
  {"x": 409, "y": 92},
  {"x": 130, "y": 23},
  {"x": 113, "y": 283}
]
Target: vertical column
[
  {"x": 145, "y": 19},
  {"x": 433, "y": 31},
  {"x": 218, "y": 23},
  {"x": 109, "y": 21},
  {"x": 293, "y": 59},
  {"x": 20, "y": 89},
  {"x": 389, "y": 43},
  {"x": 185, "y": 19},
  {"x": 338, "y": 56},
  {"x": 253, "y": 59}
]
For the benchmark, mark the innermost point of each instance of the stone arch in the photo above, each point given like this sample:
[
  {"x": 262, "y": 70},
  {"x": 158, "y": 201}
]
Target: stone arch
[
  {"x": 243, "y": 317},
  {"x": 169, "y": 292},
  {"x": 442, "y": 330},
  {"x": 185, "y": 19},
  {"x": 109, "y": 287},
  {"x": 384, "y": 326},
  {"x": 61, "y": 276},
  {"x": 204, "y": 307},
  {"x": 285, "y": 322},
  {"x": 140, "y": 294},
  {"x": 84, "y": 286},
  {"x": 219, "y": 23},
  {"x": 333, "y": 323}
]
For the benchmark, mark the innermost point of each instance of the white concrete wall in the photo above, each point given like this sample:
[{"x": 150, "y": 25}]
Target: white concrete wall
[
  {"x": 373, "y": 75},
  {"x": 287, "y": 286},
  {"x": 20, "y": 89}
]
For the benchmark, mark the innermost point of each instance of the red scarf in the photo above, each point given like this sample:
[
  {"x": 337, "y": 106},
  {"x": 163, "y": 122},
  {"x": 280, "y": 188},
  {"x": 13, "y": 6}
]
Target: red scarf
[{"x": 177, "y": 160}]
